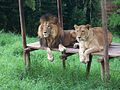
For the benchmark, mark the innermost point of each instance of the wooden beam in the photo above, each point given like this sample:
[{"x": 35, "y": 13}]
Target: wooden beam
[
  {"x": 60, "y": 17},
  {"x": 104, "y": 25},
  {"x": 22, "y": 23}
]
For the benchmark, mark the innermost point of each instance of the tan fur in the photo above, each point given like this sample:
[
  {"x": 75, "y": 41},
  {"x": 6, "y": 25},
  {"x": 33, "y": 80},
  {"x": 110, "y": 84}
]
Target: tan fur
[
  {"x": 90, "y": 40},
  {"x": 51, "y": 34}
]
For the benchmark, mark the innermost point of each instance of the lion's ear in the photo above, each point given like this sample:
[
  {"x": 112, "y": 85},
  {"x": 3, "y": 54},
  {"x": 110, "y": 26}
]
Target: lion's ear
[
  {"x": 41, "y": 21},
  {"x": 76, "y": 26},
  {"x": 88, "y": 26},
  {"x": 54, "y": 20}
]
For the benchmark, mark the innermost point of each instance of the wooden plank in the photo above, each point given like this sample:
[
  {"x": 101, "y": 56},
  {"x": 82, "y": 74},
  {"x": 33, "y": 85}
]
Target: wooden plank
[{"x": 113, "y": 51}]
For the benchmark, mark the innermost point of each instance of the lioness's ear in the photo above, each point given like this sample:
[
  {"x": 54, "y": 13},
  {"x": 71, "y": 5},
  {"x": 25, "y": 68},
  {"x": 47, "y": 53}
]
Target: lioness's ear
[
  {"x": 76, "y": 26},
  {"x": 88, "y": 26}
]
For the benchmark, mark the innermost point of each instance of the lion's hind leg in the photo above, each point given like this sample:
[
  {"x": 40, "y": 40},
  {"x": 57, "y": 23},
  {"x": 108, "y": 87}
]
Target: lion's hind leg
[{"x": 76, "y": 45}]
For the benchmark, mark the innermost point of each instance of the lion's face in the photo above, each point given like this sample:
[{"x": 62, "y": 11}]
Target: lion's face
[
  {"x": 46, "y": 29},
  {"x": 82, "y": 32}
]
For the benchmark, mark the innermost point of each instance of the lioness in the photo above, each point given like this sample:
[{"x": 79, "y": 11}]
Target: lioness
[
  {"x": 90, "y": 40},
  {"x": 52, "y": 36}
]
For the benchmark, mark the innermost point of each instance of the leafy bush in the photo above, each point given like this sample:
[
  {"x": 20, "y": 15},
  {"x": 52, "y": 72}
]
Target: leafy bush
[
  {"x": 74, "y": 12},
  {"x": 114, "y": 19}
]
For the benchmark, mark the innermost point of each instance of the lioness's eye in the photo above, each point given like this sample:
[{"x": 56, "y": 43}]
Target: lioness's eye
[
  {"x": 48, "y": 26},
  {"x": 77, "y": 31},
  {"x": 83, "y": 31}
]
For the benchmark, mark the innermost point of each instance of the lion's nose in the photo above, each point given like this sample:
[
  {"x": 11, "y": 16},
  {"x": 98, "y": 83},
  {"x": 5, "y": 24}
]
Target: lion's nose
[{"x": 45, "y": 32}]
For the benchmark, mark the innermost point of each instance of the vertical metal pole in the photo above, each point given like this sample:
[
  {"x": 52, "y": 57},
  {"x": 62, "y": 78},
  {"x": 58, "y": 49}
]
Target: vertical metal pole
[
  {"x": 60, "y": 17},
  {"x": 104, "y": 25},
  {"x": 22, "y": 23}
]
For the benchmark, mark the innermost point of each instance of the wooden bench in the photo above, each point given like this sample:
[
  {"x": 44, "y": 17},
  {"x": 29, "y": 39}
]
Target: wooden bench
[{"x": 113, "y": 51}]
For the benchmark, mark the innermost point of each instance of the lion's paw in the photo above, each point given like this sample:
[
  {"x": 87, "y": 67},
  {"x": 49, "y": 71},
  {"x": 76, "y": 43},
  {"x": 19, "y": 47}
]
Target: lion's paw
[
  {"x": 49, "y": 54},
  {"x": 62, "y": 48}
]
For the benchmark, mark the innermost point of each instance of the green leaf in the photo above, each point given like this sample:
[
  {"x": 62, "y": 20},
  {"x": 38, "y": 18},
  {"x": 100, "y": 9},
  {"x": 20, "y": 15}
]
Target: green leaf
[{"x": 30, "y": 3}]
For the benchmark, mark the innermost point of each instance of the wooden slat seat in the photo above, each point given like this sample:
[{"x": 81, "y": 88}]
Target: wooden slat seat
[{"x": 113, "y": 51}]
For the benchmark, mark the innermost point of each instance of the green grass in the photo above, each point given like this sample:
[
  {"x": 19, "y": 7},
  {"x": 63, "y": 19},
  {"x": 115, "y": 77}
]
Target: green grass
[{"x": 46, "y": 75}]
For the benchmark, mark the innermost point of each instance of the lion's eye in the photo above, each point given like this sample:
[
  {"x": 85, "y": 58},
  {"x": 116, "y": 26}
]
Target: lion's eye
[{"x": 83, "y": 31}]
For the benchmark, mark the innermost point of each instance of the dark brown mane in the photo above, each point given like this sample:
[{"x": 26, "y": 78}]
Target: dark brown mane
[{"x": 49, "y": 17}]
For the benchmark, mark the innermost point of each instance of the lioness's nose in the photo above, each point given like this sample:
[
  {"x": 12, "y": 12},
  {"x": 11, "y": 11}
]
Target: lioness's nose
[{"x": 79, "y": 37}]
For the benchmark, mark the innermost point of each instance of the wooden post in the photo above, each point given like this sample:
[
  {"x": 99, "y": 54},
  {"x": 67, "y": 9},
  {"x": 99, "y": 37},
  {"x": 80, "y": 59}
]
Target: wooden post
[
  {"x": 60, "y": 17},
  {"x": 88, "y": 66},
  {"x": 104, "y": 25},
  {"x": 26, "y": 53},
  {"x": 102, "y": 70},
  {"x": 22, "y": 23}
]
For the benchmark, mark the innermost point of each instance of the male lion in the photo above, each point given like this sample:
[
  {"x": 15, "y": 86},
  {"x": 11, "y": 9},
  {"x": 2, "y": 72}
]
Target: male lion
[
  {"x": 52, "y": 36},
  {"x": 90, "y": 40}
]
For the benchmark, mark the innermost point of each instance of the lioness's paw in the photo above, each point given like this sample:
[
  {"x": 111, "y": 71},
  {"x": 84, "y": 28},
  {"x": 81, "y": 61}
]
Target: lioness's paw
[
  {"x": 62, "y": 48},
  {"x": 87, "y": 60},
  {"x": 82, "y": 57},
  {"x": 49, "y": 54},
  {"x": 75, "y": 45},
  {"x": 81, "y": 60}
]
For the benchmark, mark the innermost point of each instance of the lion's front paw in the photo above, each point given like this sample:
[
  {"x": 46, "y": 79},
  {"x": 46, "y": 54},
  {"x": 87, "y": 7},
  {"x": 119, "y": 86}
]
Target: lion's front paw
[
  {"x": 49, "y": 54},
  {"x": 76, "y": 45},
  {"x": 62, "y": 48}
]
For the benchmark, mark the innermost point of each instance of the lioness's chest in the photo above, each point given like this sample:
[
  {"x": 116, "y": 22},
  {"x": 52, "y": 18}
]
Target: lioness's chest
[{"x": 86, "y": 45}]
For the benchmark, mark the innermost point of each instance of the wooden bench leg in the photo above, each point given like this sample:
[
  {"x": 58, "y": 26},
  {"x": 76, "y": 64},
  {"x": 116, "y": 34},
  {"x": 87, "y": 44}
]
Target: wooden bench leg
[
  {"x": 26, "y": 55},
  {"x": 63, "y": 57},
  {"x": 88, "y": 66},
  {"x": 107, "y": 71},
  {"x": 102, "y": 70},
  {"x": 27, "y": 60}
]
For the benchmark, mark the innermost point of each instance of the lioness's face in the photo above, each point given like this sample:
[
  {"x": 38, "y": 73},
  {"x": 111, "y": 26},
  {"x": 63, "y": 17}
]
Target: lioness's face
[{"x": 81, "y": 32}]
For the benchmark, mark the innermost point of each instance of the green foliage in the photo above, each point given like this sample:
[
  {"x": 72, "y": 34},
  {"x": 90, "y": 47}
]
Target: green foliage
[
  {"x": 46, "y": 75},
  {"x": 116, "y": 2},
  {"x": 114, "y": 19},
  {"x": 31, "y": 4},
  {"x": 80, "y": 12},
  {"x": 74, "y": 12}
]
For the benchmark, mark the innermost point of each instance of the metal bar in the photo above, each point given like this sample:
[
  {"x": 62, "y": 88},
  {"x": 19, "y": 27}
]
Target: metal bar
[
  {"x": 60, "y": 17},
  {"x": 22, "y": 23},
  {"x": 104, "y": 25}
]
